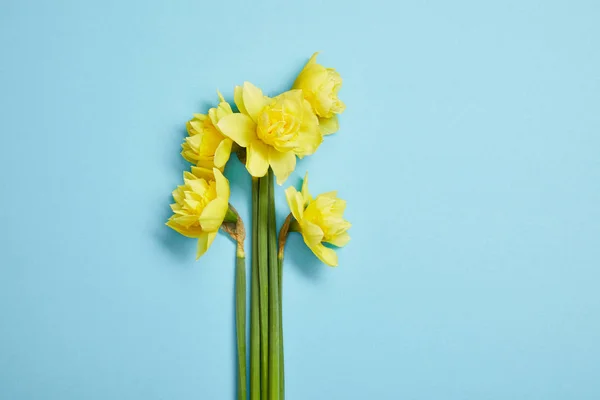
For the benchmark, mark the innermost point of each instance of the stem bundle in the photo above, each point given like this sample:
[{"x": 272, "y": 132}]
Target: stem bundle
[{"x": 266, "y": 344}]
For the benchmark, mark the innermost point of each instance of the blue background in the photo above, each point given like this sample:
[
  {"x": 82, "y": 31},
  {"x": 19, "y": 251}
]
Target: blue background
[{"x": 468, "y": 154}]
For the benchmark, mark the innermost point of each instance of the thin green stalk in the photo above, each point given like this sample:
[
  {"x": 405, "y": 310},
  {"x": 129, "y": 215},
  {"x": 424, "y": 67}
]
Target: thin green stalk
[
  {"x": 274, "y": 312},
  {"x": 283, "y": 234},
  {"x": 240, "y": 320},
  {"x": 263, "y": 281},
  {"x": 254, "y": 312},
  {"x": 282, "y": 362}
]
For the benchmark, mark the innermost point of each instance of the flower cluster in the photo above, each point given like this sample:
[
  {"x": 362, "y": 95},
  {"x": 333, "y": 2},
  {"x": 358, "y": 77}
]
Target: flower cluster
[{"x": 273, "y": 132}]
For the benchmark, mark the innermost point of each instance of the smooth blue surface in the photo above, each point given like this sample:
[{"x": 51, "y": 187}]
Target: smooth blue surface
[{"x": 469, "y": 155}]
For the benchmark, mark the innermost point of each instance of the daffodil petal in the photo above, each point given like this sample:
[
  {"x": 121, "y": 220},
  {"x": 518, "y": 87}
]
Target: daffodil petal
[
  {"x": 312, "y": 75},
  {"x": 324, "y": 202},
  {"x": 194, "y": 126},
  {"x": 204, "y": 243},
  {"x": 222, "y": 110},
  {"x": 254, "y": 100},
  {"x": 187, "y": 175},
  {"x": 329, "y": 125},
  {"x": 331, "y": 195},
  {"x": 310, "y": 136},
  {"x": 238, "y": 98},
  {"x": 213, "y": 214},
  {"x": 312, "y": 233},
  {"x": 324, "y": 103},
  {"x": 257, "y": 158},
  {"x": 325, "y": 254},
  {"x": 186, "y": 221},
  {"x": 283, "y": 164},
  {"x": 340, "y": 240},
  {"x": 199, "y": 186},
  {"x": 223, "y": 152},
  {"x": 312, "y": 60},
  {"x": 296, "y": 207},
  {"x": 337, "y": 226},
  {"x": 222, "y": 185},
  {"x": 338, "y": 208},
  {"x": 239, "y": 127},
  {"x": 177, "y": 195},
  {"x": 191, "y": 232},
  {"x": 203, "y": 172},
  {"x": 194, "y": 141},
  {"x": 305, "y": 193}
]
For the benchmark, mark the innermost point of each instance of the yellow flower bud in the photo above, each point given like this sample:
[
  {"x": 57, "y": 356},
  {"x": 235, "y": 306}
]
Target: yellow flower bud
[
  {"x": 320, "y": 86},
  {"x": 206, "y": 146},
  {"x": 320, "y": 220},
  {"x": 200, "y": 206},
  {"x": 273, "y": 130}
]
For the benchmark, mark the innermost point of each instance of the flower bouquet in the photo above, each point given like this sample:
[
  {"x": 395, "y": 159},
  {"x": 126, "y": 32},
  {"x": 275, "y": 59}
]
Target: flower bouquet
[{"x": 267, "y": 134}]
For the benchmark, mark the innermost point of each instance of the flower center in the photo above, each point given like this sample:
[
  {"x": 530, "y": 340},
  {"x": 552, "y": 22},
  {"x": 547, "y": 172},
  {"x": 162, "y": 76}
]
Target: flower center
[{"x": 276, "y": 127}]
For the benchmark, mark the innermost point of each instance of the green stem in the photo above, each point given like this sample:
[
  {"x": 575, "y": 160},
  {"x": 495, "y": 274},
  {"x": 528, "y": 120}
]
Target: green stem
[
  {"x": 283, "y": 234},
  {"x": 282, "y": 363},
  {"x": 240, "y": 321},
  {"x": 274, "y": 312},
  {"x": 263, "y": 281},
  {"x": 254, "y": 304}
]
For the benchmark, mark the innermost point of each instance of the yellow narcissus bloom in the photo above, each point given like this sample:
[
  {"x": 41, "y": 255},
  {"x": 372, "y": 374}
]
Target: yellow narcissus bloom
[
  {"x": 320, "y": 87},
  {"x": 200, "y": 206},
  {"x": 273, "y": 130},
  {"x": 206, "y": 146},
  {"x": 320, "y": 220}
]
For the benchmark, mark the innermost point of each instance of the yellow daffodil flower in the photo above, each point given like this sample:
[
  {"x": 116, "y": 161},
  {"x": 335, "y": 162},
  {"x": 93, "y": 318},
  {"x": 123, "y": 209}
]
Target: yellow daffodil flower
[
  {"x": 206, "y": 146},
  {"x": 200, "y": 206},
  {"x": 320, "y": 221},
  {"x": 320, "y": 87},
  {"x": 273, "y": 130}
]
